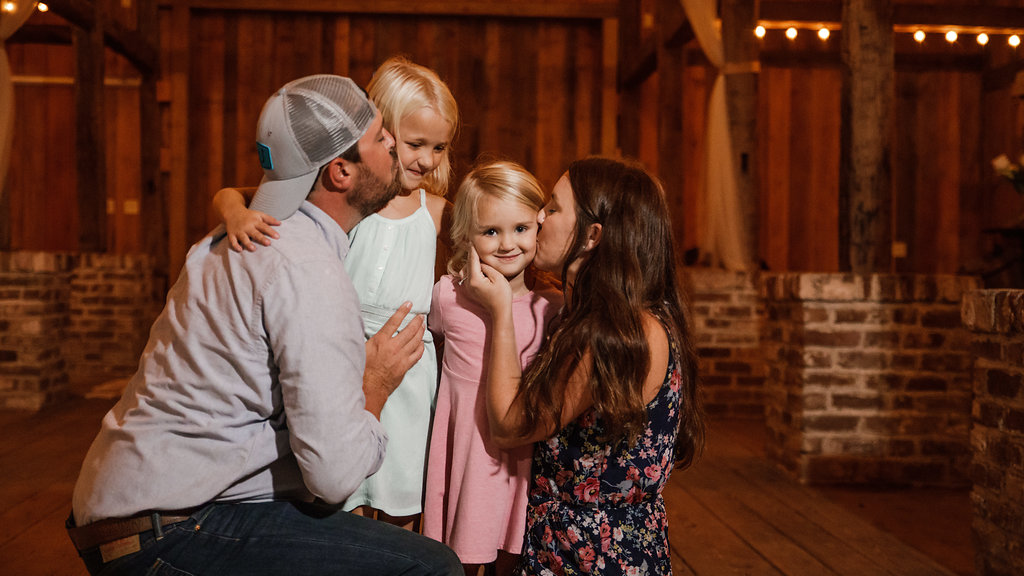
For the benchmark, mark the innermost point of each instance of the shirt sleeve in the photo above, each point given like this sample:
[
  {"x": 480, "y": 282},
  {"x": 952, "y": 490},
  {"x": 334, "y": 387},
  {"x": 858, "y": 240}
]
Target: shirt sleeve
[{"x": 314, "y": 330}]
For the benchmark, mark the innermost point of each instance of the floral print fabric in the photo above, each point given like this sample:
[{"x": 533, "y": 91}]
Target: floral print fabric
[{"x": 596, "y": 507}]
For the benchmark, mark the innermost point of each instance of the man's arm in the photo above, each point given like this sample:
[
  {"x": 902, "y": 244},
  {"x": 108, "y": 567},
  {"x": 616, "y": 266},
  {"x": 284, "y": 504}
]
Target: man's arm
[{"x": 390, "y": 353}]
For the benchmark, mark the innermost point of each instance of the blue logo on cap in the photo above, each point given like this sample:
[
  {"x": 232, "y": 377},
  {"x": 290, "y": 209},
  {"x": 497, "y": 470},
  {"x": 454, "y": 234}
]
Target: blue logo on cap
[{"x": 264, "y": 152}]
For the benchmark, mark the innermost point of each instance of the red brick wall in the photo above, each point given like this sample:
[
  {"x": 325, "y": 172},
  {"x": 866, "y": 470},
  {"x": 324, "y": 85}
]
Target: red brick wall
[
  {"x": 868, "y": 378},
  {"x": 69, "y": 319},
  {"x": 996, "y": 321},
  {"x": 727, "y": 314}
]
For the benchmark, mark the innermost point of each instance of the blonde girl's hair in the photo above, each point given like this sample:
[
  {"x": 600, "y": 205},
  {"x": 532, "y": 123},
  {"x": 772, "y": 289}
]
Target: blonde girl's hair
[
  {"x": 502, "y": 180},
  {"x": 399, "y": 88}
]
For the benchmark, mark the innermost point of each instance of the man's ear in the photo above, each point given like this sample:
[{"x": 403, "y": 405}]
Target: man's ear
[
  {"x": 593, "y": 236},
  {"x": 338, "y": 174}
]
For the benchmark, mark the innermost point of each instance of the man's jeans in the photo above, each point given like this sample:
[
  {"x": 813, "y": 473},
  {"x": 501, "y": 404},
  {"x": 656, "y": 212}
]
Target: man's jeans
[{"x": 279, "y": 538}]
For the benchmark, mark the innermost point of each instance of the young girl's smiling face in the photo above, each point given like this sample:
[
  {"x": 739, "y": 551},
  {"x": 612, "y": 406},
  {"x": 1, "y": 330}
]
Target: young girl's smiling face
[
  {"x": 505, "y": 237},
  {"x": 422, "y": 143}
]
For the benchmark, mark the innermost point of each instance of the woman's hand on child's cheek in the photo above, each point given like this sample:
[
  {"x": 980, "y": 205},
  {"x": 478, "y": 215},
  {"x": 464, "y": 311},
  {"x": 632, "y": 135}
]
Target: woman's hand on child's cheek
[
  {"x": 248, "y": 226},
  {"x": 485, "y": 284}
]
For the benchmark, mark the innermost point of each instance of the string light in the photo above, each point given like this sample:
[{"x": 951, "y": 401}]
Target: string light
[
  {"x": 10, "y": 7},
  {"x": 920, "y": 32}
]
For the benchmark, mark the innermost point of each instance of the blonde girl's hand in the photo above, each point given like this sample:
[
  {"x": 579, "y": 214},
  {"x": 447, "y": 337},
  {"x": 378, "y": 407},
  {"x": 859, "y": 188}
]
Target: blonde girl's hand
[
  {"x": 486, "y": 285},
  {"x": 245, "y": 226}
]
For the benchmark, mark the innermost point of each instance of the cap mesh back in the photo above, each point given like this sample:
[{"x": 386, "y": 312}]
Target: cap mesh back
[{"x": 328, "y": 114}]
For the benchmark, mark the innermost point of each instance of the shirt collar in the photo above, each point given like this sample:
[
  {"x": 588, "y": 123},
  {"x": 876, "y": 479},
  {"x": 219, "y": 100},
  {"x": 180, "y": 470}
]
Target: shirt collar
[{"x": 332, "y": 232}]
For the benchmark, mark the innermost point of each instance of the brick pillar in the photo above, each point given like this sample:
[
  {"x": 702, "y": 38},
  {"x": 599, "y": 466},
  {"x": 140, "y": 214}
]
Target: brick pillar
[
  {"x": 868, "y": 378},
  {"x": 996, "y": 321},
  {"x": 110, "y": 313},
  {"x": 69, "y": 319},
  {"x": 33, "y": 317},
  {"x": 727, "y": 315}
]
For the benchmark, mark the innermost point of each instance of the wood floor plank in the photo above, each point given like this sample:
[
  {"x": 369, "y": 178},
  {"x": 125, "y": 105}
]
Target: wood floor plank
[
  {"x": 835, "y": 523},
  {"x": 43, "y": 549},
  {"x": 706, "y": 544},
  {"x": 733, "y": 513},
  {"x": 773, "y": 537},
  {"x": 811, "y": 548}
]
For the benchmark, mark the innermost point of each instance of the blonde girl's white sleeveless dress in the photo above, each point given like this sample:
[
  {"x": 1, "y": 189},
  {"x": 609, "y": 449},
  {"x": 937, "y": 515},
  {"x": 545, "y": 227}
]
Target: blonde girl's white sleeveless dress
[{"x": 391, "y": 262}]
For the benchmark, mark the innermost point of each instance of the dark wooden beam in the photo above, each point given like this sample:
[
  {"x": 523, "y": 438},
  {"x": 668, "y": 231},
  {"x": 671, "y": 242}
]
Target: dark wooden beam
[
  {"x": 831, "y": 59},
  {"x": 134, "y": 46},
  {"x": 597, "y": 9},
  {"x": 41, "y": 34},
  {"x": 865, "y": 174},
  {"x": 674, "y": 30},
  {"x": 153, "y": 217},
  {"x": 638, "y": 64},
  {"x": 90, "y": 146}
]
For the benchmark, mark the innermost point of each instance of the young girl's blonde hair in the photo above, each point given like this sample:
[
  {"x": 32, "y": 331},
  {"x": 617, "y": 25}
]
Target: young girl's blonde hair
[
  {"x": 501, "y": 180},
  {"x": 399, "y": 88}
]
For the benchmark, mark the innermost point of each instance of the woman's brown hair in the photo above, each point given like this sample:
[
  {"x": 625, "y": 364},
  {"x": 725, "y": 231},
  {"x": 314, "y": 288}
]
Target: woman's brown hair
[{"x": 631, "y": 270}]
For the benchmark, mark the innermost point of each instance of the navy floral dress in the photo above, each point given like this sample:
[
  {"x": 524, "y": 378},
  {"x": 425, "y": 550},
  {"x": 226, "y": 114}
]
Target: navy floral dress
[{"x": 595, "y": 507}]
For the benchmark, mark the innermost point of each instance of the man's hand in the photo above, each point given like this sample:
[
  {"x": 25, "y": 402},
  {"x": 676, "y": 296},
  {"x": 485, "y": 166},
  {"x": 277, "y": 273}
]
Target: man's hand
[{"x": 389, "y": 355}]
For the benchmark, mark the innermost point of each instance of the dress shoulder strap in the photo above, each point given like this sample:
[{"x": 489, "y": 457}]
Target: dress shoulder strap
[{"x": 423, "y": 198}]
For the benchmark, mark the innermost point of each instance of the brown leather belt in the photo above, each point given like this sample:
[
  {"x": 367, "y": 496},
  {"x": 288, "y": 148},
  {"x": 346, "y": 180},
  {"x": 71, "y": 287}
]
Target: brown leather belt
[{"x": 111, "y": 529}]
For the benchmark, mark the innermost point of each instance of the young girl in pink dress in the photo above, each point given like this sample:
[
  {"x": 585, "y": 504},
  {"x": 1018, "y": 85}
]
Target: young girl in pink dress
[{"x": 476, "y": 493}]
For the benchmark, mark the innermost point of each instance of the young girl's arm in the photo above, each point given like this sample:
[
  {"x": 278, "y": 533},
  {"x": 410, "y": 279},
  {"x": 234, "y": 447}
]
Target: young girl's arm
[
  {"x": 504, "y": 372},
  {"x": 243, "y": 225}
]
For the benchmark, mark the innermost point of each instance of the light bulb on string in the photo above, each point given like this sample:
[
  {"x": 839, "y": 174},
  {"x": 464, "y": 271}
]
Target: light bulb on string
[
  {"x": 1014, "y": 40},
  {"x": 9, "y": 6},
  {"x": 983, "y": 39},
  {"x": 919, "y": 36},
  {"x": 791, "y": 33},
  {"x": 951, "y": 36},
  {"x": 760, "y": 31},
  {"x": 823, "y": 33}
]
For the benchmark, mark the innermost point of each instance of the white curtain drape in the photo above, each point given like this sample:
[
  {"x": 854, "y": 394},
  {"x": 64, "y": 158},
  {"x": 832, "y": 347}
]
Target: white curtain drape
[
  {"x": 9, "y": 22},
  {"x": 724, "y": 236}
]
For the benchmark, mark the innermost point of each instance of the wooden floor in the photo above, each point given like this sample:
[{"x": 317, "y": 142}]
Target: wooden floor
[{"x": 730, "y": 514}]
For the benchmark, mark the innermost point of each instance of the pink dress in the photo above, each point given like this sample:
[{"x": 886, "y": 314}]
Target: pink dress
[{"x": 476, "y": 494}]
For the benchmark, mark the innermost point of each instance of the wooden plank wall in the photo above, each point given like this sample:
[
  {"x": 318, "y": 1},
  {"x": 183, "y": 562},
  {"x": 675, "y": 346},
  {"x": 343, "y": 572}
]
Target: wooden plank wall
[
  {"x": 528, "y": 90},
  {"x": 535, "y": 90},
  {"x": 954, "y": 112}
]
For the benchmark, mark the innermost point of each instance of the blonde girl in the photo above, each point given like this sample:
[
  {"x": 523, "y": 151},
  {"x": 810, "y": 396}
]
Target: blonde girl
[
  {"x": 476, "y": 492},
  {"x": 391, "y": 261}
]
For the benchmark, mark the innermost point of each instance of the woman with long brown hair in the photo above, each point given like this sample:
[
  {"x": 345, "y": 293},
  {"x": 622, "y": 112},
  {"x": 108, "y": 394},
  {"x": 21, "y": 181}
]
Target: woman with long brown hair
[{"x": 612, "y": 399}]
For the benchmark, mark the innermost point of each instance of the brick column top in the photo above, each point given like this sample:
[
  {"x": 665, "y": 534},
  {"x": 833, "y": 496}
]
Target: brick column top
[{"x": 995, "y": 311}]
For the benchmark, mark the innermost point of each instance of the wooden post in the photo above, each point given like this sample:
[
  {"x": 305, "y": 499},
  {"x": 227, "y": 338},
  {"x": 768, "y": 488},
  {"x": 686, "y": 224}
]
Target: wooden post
[
  {"x": 90, "y": 141},
  {"x": 177, "y": 167},
  {"x": 153, "y": 196},
  {"x": 629, "y": 95},
  {"x": 865, "y": 187},
  {"x": 741, "y": 68},
  {"x": 609, "y": 92}
]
